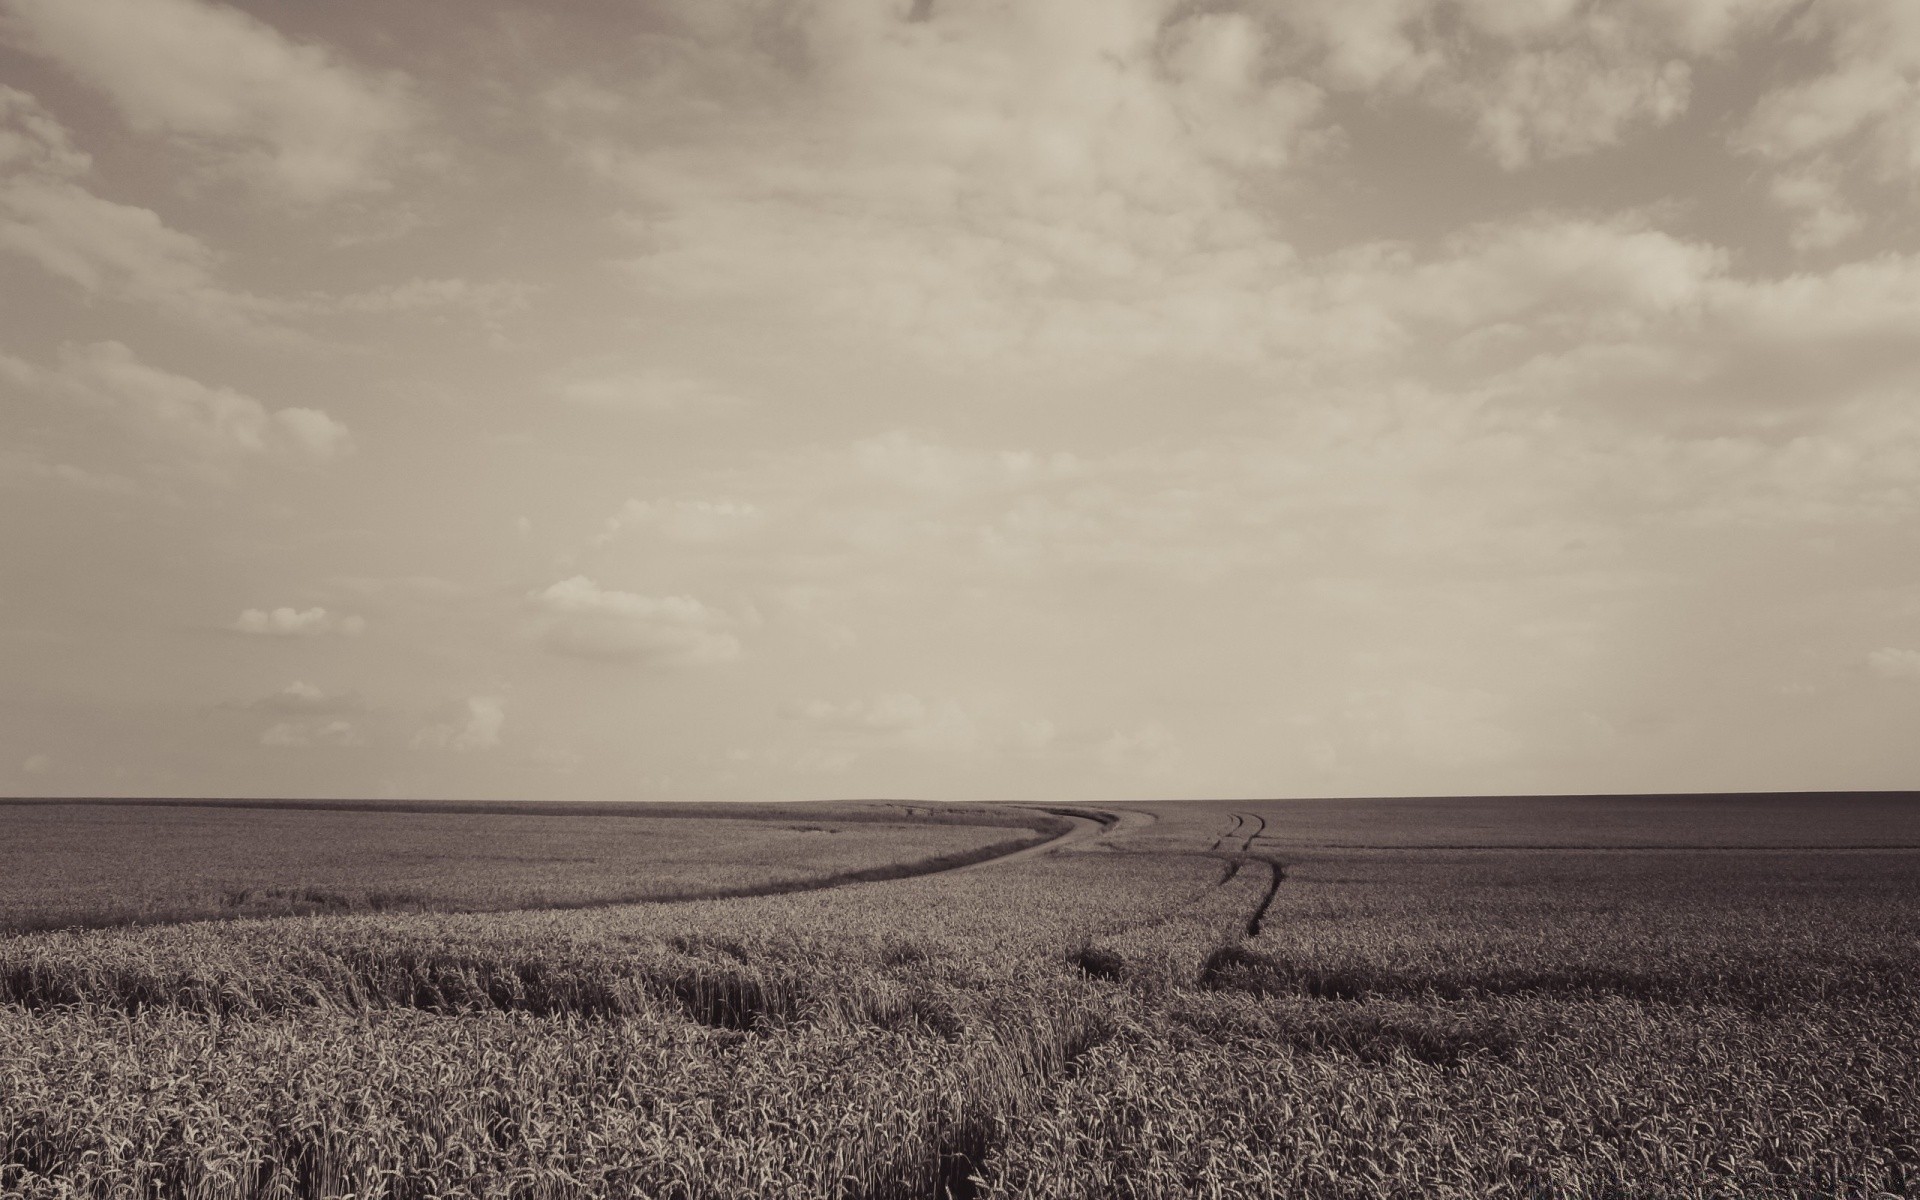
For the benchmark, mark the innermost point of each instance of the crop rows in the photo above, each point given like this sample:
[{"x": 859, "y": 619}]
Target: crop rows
[{"x": 1091, "y": 1024}]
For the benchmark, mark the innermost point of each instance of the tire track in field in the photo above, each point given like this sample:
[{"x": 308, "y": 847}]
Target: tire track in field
[
  {"x": 1230, "y": 859},
  {"x": 1230, "y": 831},
  {"x": 1247, "y": 845},
  {"x": 1259, "y": 917}
]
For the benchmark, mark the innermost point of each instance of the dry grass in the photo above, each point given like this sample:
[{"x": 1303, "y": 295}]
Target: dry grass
[
  {"x": 96, "y": 865},
  {"x": 1407, "y": 1023}
]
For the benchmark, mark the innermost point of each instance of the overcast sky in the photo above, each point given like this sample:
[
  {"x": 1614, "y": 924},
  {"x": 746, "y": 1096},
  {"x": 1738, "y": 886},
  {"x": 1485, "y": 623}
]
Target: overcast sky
[{"x": 1032, "y": 399}]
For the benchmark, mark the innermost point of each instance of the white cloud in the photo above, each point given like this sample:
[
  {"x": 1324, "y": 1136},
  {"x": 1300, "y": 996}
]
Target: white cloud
[
  {"x": 477, "y": 727},
  {"x": 1822, "y": 216},
  {"x": 229, "y": 88},
  {"x": 196, "y": 422},
  {"x": 1559, "y": 103},
  {"x": 1363, "y": 44},
  {"x": 936, "y": 178},
  {"x": 1858, "y": 120},
  {"x": 102, "y": 247},
  {"x": 32, "y": 140},
  {"x": 1892, "y": 662},
  {"x": 579, "y": 618},
  {"x": 297, "y": 623}
]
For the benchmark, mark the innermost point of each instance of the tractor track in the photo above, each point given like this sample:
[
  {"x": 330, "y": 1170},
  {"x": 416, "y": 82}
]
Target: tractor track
[
  {"x": 1232, "y": 830},
  {"x": 1243, "y": 828},
  {"x": 1259, "y": 917},
  {"x": 1246, "y": 846}
]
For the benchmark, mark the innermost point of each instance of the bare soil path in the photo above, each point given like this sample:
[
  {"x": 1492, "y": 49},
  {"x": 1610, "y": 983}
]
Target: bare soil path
[{"x": 1089, "y": 826}]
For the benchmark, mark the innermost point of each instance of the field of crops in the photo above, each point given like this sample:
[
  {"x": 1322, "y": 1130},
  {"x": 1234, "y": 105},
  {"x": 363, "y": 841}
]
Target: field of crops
[
  {"x": 115, "y": 864},
  {"x": 1234, "y": 1000}
]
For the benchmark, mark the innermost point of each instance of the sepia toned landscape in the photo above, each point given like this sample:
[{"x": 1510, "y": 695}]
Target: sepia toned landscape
[
  {"x": 1684, "y": 996},
  {"x": 959, "y": 600}
]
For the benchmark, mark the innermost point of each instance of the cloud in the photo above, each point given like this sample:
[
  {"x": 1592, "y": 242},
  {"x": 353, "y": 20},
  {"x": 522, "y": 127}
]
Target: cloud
[
  {"x": 1891, "y": 662},
  {"x": 104, "y": 248},
  {"x": 229, "y": 89},
  {"x": 32, "y": 140},
  {"x": 1539, "y": 79},
  {"x": 1822, "y": 216},
  {"x": 938, "y": 178},
  {"x": 191, "y": 420},
  {"x": 578, "y": 618},
  {"x": 336, "y": 732},
  {"x": 297, "y": 623},
  {"x": 1868, "y": 88},
  {"x": 1560, "y": 103},
  {"x": 478, "y": 727},
  {"x": 304, "y": 699},
  {"x": 1853, "y": 124}
]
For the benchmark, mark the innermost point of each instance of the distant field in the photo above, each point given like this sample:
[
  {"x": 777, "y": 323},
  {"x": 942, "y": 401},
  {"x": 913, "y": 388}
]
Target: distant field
[
  {"x": 117, "y": 864},
  {"x": 1788, "y": 819},
  {"x": 1220, "y": 1002}
]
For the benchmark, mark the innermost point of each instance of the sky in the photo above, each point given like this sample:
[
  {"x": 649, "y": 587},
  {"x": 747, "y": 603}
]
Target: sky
[{"x": 1051, "y": 399}]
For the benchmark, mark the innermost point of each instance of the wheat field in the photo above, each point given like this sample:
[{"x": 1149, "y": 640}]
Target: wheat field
[{"x": 1231, "y": 1000}]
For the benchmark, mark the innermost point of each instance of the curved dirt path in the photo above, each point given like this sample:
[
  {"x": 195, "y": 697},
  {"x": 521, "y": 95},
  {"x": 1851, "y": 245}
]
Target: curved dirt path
[{"x": 1089, "y": 826}]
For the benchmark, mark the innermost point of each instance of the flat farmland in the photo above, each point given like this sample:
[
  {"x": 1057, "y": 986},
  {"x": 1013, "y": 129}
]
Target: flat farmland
[
  {"x": 1233, "y": 1000},
  {"x": 109, "y": 864}
]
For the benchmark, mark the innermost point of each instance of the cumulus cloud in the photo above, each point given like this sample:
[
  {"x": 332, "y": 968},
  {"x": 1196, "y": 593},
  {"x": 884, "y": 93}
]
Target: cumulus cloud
[
  {"x": 1892, "y": 662},
  {"x": 477, "y": 726},
  {"x": 193, "y": 421},
  {"x": 225, "y": 86},
  {"x": 298, "y": 623},
  {"x": 579, "y": 618}
]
